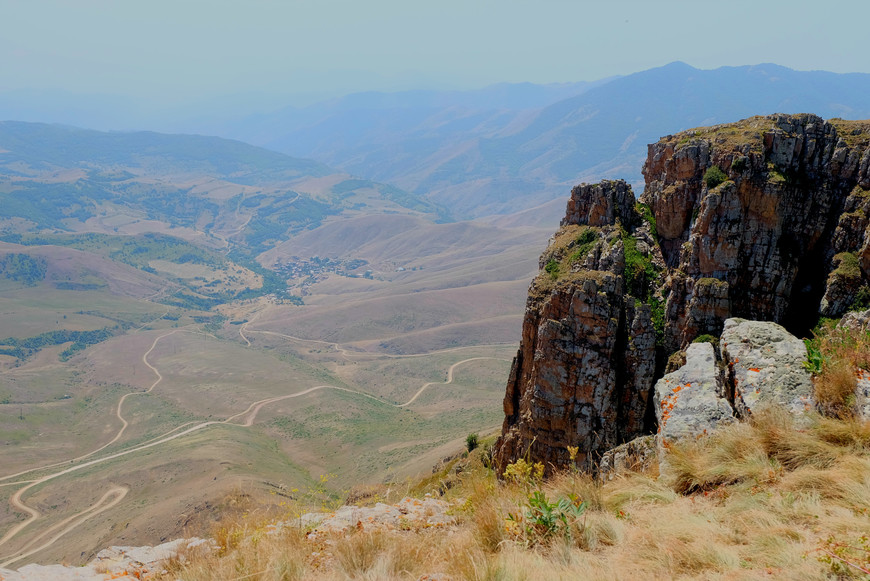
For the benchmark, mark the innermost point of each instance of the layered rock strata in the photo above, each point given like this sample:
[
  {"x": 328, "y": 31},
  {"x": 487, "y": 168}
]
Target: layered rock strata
[
  {"x": 762, "y": 219},
  {"x": 766, "y": 219},
  {"x": 584, "y": 371}
]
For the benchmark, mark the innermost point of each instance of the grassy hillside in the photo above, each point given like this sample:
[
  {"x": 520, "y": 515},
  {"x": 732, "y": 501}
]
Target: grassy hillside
[
  {"x": 205, "y": 189},
  {"x": 772, "y": 496},
  {"x": 167, "y": 367},
  {"x": 152, "y": 365}
]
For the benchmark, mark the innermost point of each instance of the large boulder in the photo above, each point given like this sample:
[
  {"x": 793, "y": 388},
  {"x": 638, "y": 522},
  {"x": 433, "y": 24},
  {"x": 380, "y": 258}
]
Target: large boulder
[
  {"x": 766, "y": 365},
  {"x": 690, "y": 401}
]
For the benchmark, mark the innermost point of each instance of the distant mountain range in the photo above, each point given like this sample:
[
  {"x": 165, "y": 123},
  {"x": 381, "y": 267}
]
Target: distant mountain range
[
  {"x": 478, "y": 156},
  {"x": 505, "y": 148}
]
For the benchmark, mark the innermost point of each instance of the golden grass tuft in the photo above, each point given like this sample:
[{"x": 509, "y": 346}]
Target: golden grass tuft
[
  {"x": 732, "y": 454},
  {"x": 835, "y": 388},
  {"x": 841, "y": 353}
]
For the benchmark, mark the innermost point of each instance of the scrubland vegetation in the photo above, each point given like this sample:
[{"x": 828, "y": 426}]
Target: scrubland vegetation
[
  {"x": 761, "y": 499},
  {"x": 772, "y": 497}
]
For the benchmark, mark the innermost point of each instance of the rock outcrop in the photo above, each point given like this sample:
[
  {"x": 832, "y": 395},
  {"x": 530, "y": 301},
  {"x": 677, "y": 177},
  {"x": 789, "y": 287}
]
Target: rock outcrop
[
  {"x": 771, "y": 209},
  {"x": 583, "y": 374},
  {"x": 121, "y": 563},
  {"x": 766, "y": 366},
  {"x": 691, "y": 401},
  {"x": 767, "y": 219}
]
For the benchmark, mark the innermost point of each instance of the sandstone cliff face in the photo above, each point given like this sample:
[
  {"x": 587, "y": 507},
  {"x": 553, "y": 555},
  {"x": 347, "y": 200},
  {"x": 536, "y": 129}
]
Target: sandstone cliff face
[
  {"x": 585, "y": 367},
  {"x": 758, "y": 239},
  {"x": 765, "y": 219}
]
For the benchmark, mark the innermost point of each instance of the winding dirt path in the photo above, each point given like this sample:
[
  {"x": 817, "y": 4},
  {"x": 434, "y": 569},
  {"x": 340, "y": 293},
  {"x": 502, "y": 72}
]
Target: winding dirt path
[
  {"x": 345, "y": 352},
  {"x": 124, "y": 422},
  {"x": 102, "y": 505},
  {"x": 244, "y": 326},
  {"x": 250, "y": 414},
  {"x": 449, "y": 378},
  {"x": 245, "y": 419},
  {"x": 125, "y": 396}
]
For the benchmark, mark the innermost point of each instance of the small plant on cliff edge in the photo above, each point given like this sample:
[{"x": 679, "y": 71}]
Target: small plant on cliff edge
[
  {"x": 523, "y": 472},
  {"x": 836, "y": 355},
  {"x": 471, "y": 442},
  {"x": 639, "y": 270},
  {"x": 543, "y": 519},
  {"x": 640, "y": 275},
  {"x": 862, "y": 300},
  {"x": 552, "y": 269},
  {"x": 714, "y": 176},
  {"x": 646, "y": 212},
  {"x": 584, "y": 242},
  {"x": 707, "y": 339}
]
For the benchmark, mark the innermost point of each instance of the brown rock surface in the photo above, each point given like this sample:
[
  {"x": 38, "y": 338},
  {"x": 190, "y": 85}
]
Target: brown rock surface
[
  {"x": 766, "y": 219},
  {"x": 793, "y": 197},
  {"x": 583, "y": 374}
]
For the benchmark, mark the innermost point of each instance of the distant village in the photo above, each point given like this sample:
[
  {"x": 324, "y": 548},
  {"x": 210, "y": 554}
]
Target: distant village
[
  {"x": 308, "y": 271},
  {"x": 301, "y": 267},
  {"x": 315, "y": 269}
]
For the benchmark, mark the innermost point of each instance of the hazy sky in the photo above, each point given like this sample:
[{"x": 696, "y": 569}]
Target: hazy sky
[{"x": 190, "y": 49}]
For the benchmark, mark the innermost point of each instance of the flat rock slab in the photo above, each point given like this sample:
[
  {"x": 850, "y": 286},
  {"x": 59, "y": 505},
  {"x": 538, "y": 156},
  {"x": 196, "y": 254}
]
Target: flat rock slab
[
  {"x": 767, "y": 366},
  {"x": 687, "y": 401},
  {"x": 112, "y": 563},
  {"x": 428, "y": 512}
]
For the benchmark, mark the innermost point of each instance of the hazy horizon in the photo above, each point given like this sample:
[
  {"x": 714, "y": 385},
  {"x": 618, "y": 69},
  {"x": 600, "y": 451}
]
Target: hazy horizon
[{"x": 270, "y": 53}]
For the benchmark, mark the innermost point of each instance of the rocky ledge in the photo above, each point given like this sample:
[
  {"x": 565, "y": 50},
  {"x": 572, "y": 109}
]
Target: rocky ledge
[
  {"x": 125, "y": 563},
  {"x": 149, "y": 562},
  {"x": 767, "y": 219}
]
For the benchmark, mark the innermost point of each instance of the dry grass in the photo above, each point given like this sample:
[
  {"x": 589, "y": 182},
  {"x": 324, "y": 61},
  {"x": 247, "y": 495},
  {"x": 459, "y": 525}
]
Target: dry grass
[
  {"x": 841, "y": 352},
  {"x": 761, "y": 499},
  {"x": 772, "y": 497}
]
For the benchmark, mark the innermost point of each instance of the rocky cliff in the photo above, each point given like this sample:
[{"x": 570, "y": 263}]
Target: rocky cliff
[{"x": 765, "y": 219}]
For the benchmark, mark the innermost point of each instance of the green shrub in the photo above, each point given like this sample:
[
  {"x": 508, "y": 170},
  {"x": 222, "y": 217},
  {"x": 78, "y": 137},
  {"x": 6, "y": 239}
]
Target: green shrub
[
  {"x": 657, "y": 309},
  {"x": 639, "y": 271},
  {"x": 553, "y": 269},
  {"x": 714, "y": 176},
  {"x": 646, "y": 212},
  {"x": 543, "y": 519},
  {"x": 815, "y": 360},
  {"x": 862, "y": 300},
  {"x": 584, "y": 242},
  {"x": 471, "y": 441},
  {"x": 586, "y": 236},
  {"x": 707, "y": 338},
  {"x": 847, "y": 265}
]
